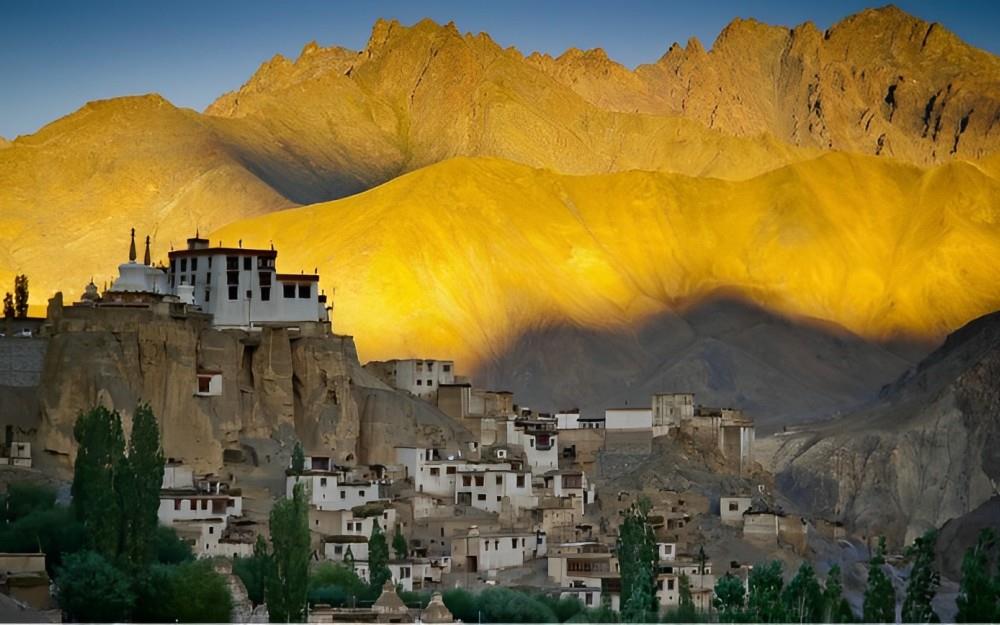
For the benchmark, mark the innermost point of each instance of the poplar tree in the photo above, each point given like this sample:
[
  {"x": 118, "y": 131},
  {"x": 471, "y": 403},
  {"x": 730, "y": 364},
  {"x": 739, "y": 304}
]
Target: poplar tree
[
  {"x": 287, "y": 584},
  {"x": 978, "y": 593},
  {"x": 8, "y": 306},
  {"x": 21, "y": 296},
  {"x": 298, "y": 459},
  {"x": 803, "y": 597},
  {"x": 835, "y": 606},
  {"x": 139, "y": 487},
  {"x": 880, "y": 596},
  {"x": 378, "y": 559},
  {"x": 96, "y": 474},
  {"x": 923, "y": 583},
  {"x": 730, "y": 598},
  {"x": 764, "y": 601},
  {"x": 686, "y": 611},
  {"x": 399, "y": 544},
  {"x": 637, "y": 559}
]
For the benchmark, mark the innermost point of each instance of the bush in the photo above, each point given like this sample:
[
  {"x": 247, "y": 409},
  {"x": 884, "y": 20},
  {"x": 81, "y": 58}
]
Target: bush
[
  {"x": 53, "y": 531},
  {"x": 199, "y": 594},
  {"x": 90, "y": 589},
  {"x": 168, "y": 548},
  {"x": 23, "y": 498},
  {"x": 154, "y": 594}
]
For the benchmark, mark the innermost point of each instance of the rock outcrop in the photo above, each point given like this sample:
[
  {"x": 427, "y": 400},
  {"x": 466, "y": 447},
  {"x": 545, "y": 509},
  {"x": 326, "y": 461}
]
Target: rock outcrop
[
  {"x": 277, "y": 384},
  {"x": 928, "y": 451}
]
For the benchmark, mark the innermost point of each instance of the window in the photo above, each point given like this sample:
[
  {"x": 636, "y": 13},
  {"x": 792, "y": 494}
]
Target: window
[
  {"x": 481, "y": 497},
  {"x": 322, "y": 481},
  {"x": 247, "y": 263},
  {"x": 173, "y": 265},
  {"x": 194, "y": 278},
  {"x": 288, "y": 290},
  {"x": 265, "y": 294},
  {"x": 430, "y": 367},
  {"x": 466, "y": 480},
  {"x": 264, "y": 277},
  {"x": 520, "y": 481},
  {"x": 305, "y": 290},
  {"x": 204, "y": 384},
  {"x": 420, "y": 382},
  {"x": 338, "y": 549},
  {"x": 670, "y": 584},
  {"x": 733, "y": 506},
  {"x": 450, "y": 470},
  {"x": 446, "y": 368},
  {"x": 435, "y": 472},
  {"x": 480, "y": 480},
  {"x": 232, "y": 277},
  {"x": 264, "y": 263},
  {"x": 343, "y": 494},
  {"x": 210, "y": 262},
  {"x": 429, "y": 383},
  {"x": 208, "y": 294},
  {"x": 184, "y": 264},
  {"x": 177, "y": 504},
  {"x": 194, "y": 264},
  {"x": 588, "y": 598},
  {"x": 234, "y": 292},
  {"x": 513, "y": 543},
  {"x": 184, "y": 279},
  {"x": 499, "y": 480},
  {"x": 486, "y": 545},
  {"x": 211, "y": 530},
  {"x": 361, "y": 493},
  {"x": 232, "y": 263}
]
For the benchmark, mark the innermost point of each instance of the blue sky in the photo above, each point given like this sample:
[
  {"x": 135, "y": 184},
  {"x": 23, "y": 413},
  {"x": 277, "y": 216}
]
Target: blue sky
[{"x": 55, "y": 56}]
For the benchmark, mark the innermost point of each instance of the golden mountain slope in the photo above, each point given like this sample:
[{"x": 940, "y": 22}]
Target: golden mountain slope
[
  {"x": 878, "y": 82},
  {"x": 71, "y": 192},
  {"x": 460, "y": 257}
]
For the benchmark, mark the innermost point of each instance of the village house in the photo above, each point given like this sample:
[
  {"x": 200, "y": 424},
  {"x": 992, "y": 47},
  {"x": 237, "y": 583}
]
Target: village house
[
  {"x": 435, "y": 472},
  {"x": 418, "y": 376},
  {"x": 493, "y": 489},
  {"x": 486, "y": 554},
  {"x": 731, "y": 509},
  {"x": 539, "y": 440}
]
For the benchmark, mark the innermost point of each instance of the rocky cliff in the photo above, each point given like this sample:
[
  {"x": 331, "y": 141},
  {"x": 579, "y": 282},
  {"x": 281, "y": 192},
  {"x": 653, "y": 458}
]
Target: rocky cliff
[
  {"x": 926, "y": 452},
  {"x": 277, "y": 384}
]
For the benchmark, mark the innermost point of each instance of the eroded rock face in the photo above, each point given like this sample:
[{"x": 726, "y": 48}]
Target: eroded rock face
[
  {"x": 927, "y": 452},
  {"x": 276, "y": 383}
]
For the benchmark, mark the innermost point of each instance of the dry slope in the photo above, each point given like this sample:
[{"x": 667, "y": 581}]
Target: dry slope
[{"x": 461, "y": 257}]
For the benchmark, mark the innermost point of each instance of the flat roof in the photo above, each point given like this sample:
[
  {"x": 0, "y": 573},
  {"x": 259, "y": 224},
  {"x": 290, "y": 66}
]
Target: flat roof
[
  {"x": 229, "y": 251},
  {"x": 296, "y": 277}
]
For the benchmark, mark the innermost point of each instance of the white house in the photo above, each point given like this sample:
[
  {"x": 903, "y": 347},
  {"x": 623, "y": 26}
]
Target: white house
[
  {"x": 490, "y": 489},
  {"x": 435, "y": 472},
  {"x": 569, "y": 420},
  {"x": 488, "y": 553},
  {"x": 327, "y": 490},
  {"x": 539, "y": 438},
  {"x": 419, "y": 376},
  {"x": 336, "y": 548},
  {"x": 628, "y": 418},
  {"x": 731, "y": 509}
]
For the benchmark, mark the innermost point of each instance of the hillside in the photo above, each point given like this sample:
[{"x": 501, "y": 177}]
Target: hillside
[
  {"x": 461, "y": 258},
  {"x": 924, "y": 454},
  {"x": 725, "y": 351}
]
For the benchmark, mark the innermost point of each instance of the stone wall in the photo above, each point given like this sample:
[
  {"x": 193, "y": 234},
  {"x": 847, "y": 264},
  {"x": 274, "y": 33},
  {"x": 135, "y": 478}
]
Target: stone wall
[{"x": 21, "y": 361}]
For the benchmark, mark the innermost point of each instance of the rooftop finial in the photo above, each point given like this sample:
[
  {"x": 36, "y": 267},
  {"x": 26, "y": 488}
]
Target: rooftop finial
[
  {"x": 131, "y": 248},
  {"x": 145, "y": 259}
]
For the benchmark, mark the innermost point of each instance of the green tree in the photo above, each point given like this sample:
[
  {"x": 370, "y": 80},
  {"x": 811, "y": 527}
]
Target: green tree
[
  {"x": 730, "y": 598},
  {"x": 8, "y": 306},
  {"x": 96, "y": 472},
  {"x": 335, "y": 582},
  {"x": 803, "y": 597},
  {"x": 200, "y": 595},
  {"x": 835, "y": 606},
  {"x": 53, "y": 531},
  {"x": 924, "y": 581},
  {"x": 287, "y": 584},
  {"x": 978, "y": 593},
  {"x": 153, "y": 588},
  {"x": 253, "y": 571},
  {"x": 764, "y": 599},
  {"x": 23, "y": 498},
  {"x": 637, "y": 557},
  {"x": 378, "y": 559},
  {"x": 168, "y": 548},
  {"x": 686, "y": 611},
  {"x": 298, "y": 459},
  {"x": 91, "y": 589},
  {"x": 399, "y": 544},
  {"x": 349, "y": 558},
  {"x": 139, "y": 487},
  {"x": 880, "y": 596},
  {"x": 21, "y": 296}
]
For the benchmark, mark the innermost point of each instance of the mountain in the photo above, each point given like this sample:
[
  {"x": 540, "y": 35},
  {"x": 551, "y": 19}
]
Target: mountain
[
  {"x": 878, "y": 82},
  {"x": 727, "y": 352},
  {"x": 758, "y": 119},
  {"x": 925, "y": 453},
  {"x": 461, "y": 258}
]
